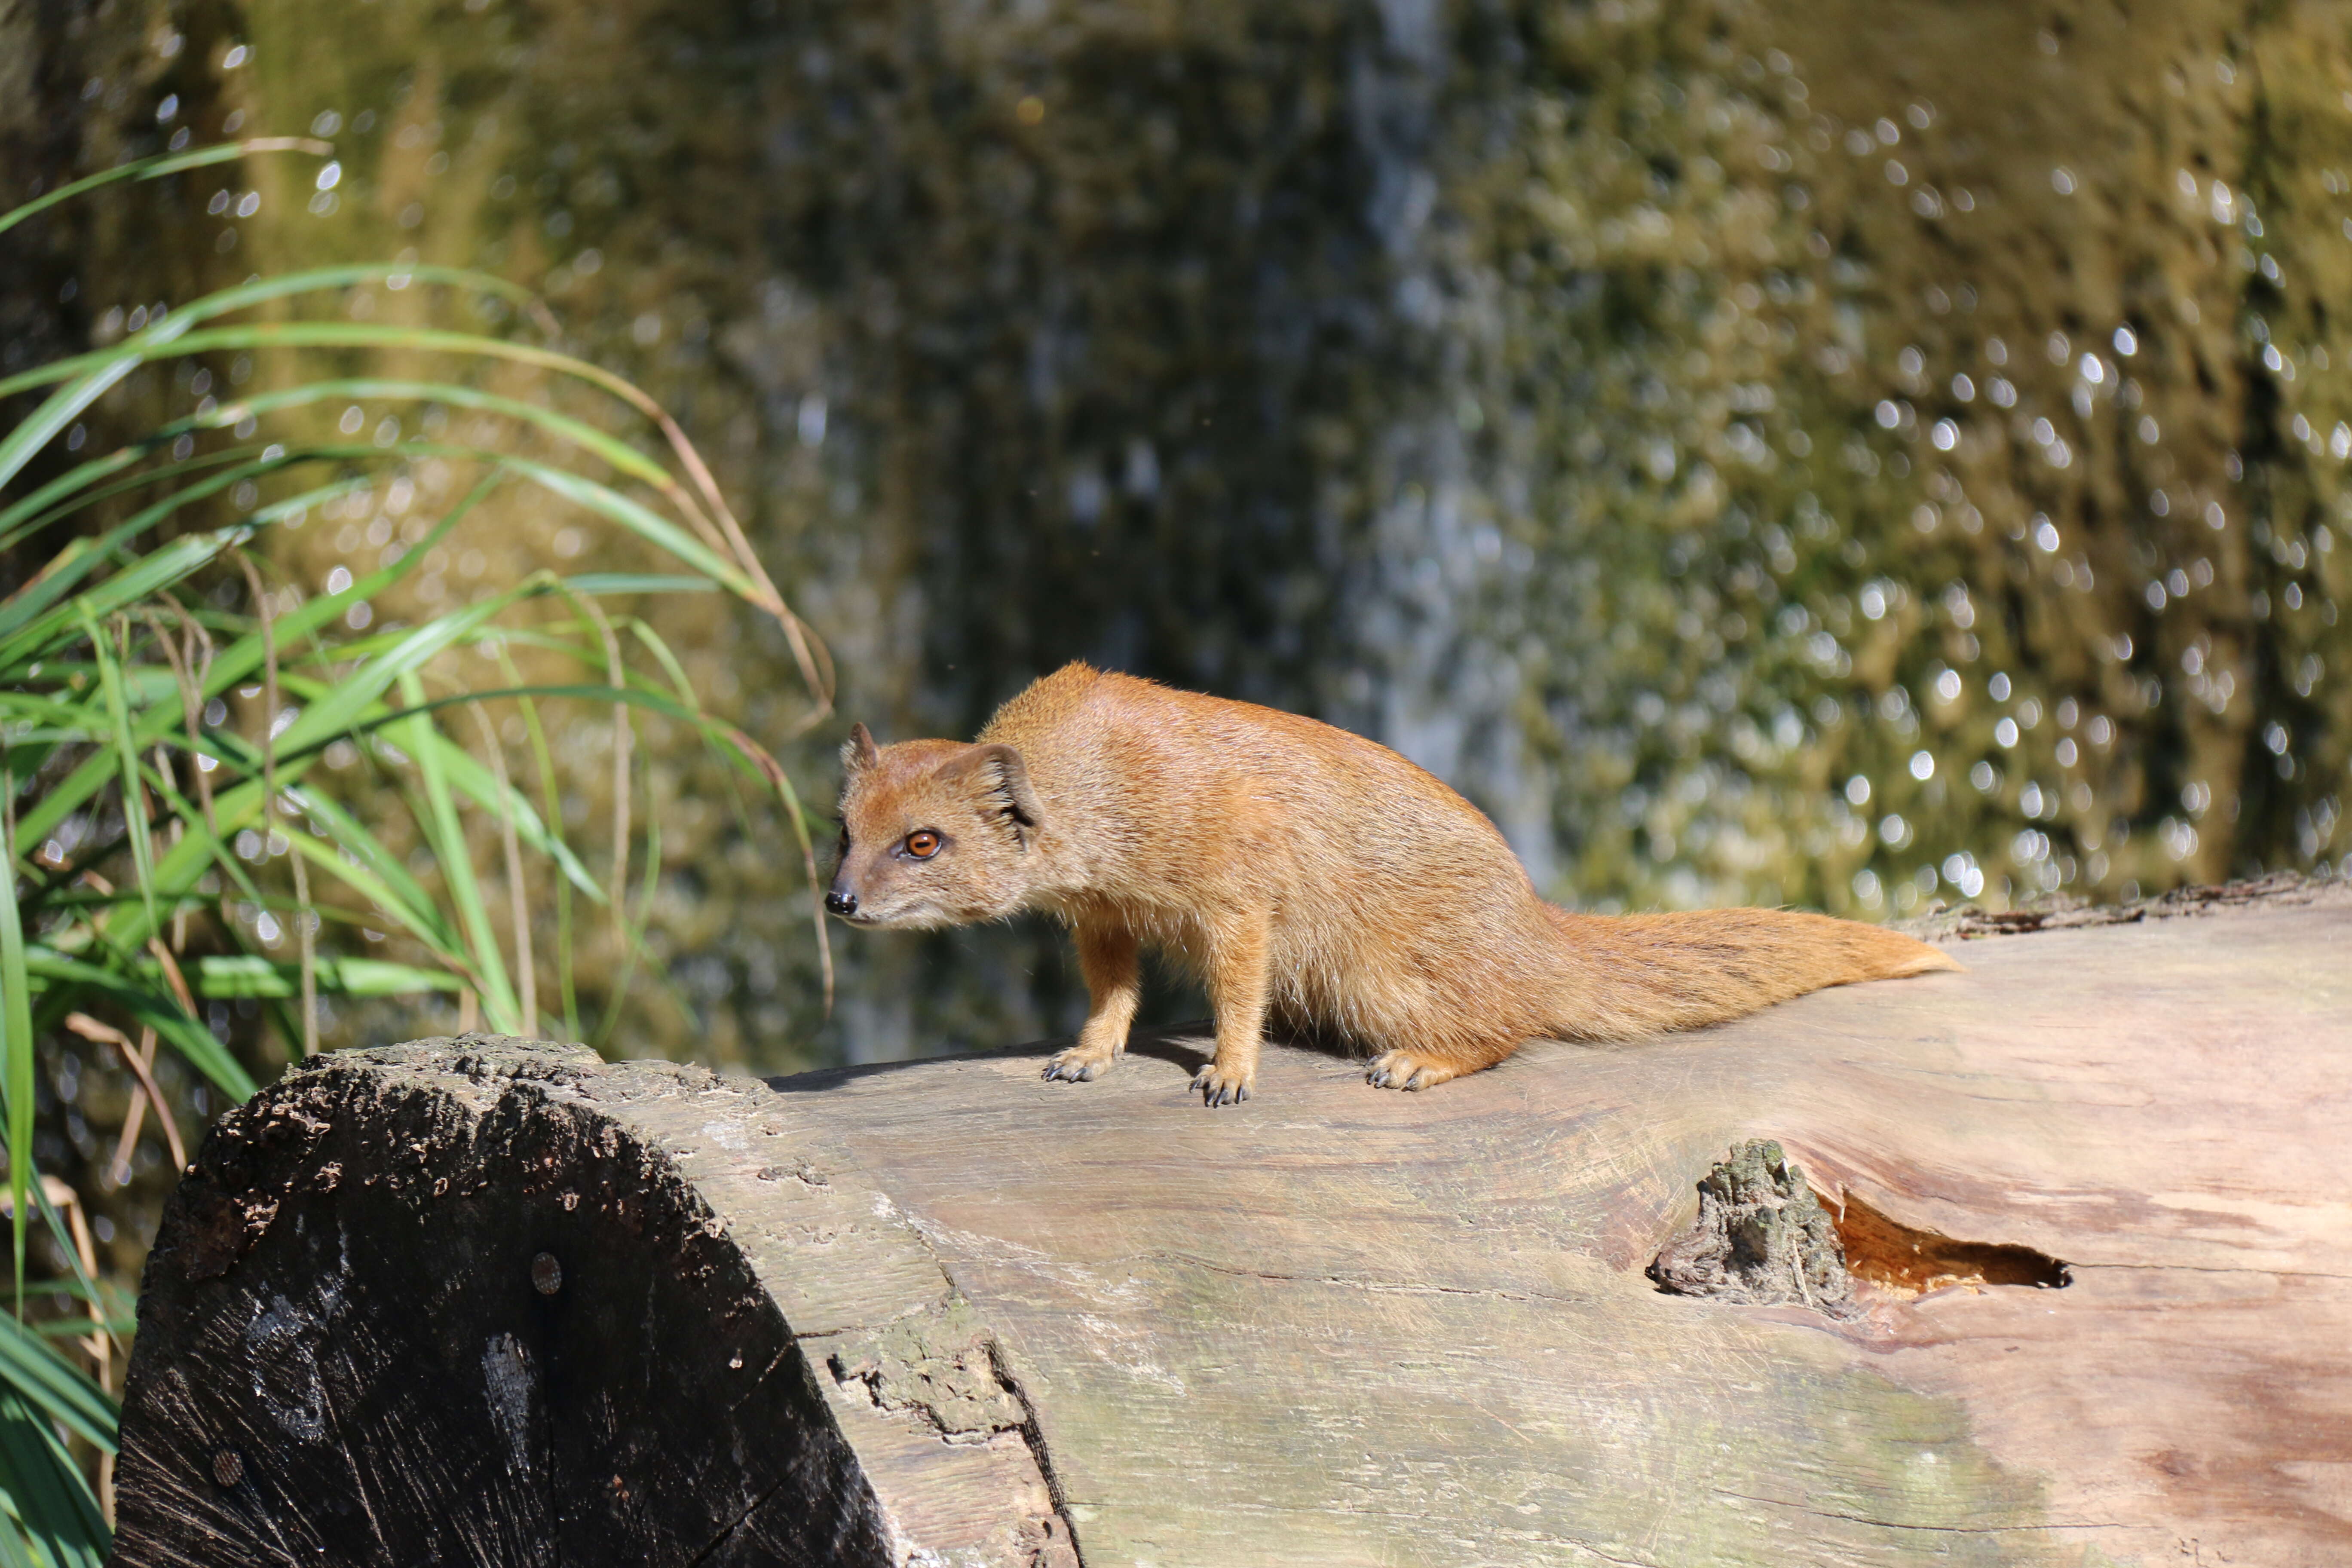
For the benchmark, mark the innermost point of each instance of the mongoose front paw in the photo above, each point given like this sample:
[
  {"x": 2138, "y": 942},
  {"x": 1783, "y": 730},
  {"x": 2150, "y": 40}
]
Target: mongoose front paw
[
  {"x": 1402, "y": 1070},
  {"x": 1221, "y": 1085},
  {"x": 1075, "y": 1066}
]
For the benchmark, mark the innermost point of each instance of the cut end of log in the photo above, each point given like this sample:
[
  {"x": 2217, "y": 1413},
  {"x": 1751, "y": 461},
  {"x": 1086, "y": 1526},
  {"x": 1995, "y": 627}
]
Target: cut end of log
[{"x": 472, "y": 1278}]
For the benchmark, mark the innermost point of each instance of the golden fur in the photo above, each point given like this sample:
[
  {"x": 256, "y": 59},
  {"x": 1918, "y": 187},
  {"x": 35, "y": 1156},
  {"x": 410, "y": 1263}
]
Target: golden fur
[{"x": 1308, "y": 875}]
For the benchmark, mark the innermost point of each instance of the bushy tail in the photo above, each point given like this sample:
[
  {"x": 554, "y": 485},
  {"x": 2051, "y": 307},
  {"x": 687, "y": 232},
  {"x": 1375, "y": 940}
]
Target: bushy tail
[{"x": 1640, "y": 974}]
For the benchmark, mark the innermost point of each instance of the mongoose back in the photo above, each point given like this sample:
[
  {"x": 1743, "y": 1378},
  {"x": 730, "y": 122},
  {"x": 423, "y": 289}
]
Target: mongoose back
[{"x": 1311, "y": 877}]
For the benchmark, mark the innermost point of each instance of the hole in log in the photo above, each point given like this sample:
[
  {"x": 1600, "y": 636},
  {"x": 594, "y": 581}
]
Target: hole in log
[
  {"x": 1765, "y": 1237},
  {"x": 1901, "y": 1259}
]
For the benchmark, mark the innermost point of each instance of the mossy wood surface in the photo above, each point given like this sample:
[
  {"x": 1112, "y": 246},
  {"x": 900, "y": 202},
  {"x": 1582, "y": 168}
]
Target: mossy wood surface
[{"x": 949, "y": 1313}]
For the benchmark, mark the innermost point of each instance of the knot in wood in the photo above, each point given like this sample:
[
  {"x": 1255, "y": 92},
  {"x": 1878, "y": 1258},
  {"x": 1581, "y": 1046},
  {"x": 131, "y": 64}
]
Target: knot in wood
[{"x": 1762, "y": 1238}]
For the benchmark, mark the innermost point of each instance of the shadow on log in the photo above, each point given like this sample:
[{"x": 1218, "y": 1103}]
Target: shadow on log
[{"x": 485, "y": 1301}]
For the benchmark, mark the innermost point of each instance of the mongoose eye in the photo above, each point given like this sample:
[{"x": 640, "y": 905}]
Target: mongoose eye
[{"x": 922, "y": 843}]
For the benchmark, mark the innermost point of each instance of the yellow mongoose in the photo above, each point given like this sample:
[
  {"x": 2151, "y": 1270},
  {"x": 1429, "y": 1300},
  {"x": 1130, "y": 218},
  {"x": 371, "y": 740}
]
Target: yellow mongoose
[{"x": 1306, "y": 873}]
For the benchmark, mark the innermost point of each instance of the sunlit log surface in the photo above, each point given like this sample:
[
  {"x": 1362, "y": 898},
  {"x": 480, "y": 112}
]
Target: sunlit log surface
[{"x": 479, "y": 1302}]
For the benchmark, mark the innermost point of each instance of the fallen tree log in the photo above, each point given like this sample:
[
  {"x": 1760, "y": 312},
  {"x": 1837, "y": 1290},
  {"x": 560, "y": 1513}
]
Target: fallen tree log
[{"x": 483, "y": 1302}]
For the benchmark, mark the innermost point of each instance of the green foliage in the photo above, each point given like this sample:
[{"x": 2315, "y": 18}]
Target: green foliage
[{"x": 217, "y": 786}]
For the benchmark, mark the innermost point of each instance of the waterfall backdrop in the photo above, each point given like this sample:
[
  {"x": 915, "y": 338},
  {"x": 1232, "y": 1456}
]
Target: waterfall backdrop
[{"x": 1840, "y": 455}]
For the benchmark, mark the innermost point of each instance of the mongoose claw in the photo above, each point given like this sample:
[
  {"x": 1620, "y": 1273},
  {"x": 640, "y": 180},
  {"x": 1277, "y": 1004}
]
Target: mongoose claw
[
  {"x": 1216, "y": 1088},
  {"x": 1071, "y": 1068},
  {"x": 1400, "y": 1070}
]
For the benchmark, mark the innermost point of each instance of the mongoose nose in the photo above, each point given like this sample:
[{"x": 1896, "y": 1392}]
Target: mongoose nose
[{"x": 841, "y": 902}]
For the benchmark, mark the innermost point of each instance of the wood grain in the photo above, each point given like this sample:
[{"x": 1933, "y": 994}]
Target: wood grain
[{"x": 1039, "y": 1322}]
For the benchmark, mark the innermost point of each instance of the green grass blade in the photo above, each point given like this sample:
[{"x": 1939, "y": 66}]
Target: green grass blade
[
  {"x": 118, "y": 714},
  {"x": 373, "y": 872},
  {"x": 16, "y": 1551},
  {"x": 51, "y": 1501},
  {"x": 545, "y": 760},
  {"x": 88, "y": 377},
  {"x": 611, "y": 584},
  {"x": 156, "y": 168},
  {"x": 57, "y": 501},
  {"x": 157, "y": 1007},
  {"x": 184, "y": 336},
  {"x": 346, "y": 703},
  {"x": 641, "y": 521},
  {"x": 633, "y": 946},
  {"x": 381, "y": 977},
  {"x": 16, "y": 1019},
  {"x": 655, "y": 702},
  {"x": 250, "y": 974},
  {"x": 343, "y": 275},
  {"x": 63, "y": 1240},
  {"x": 233, "y": 664},
  {"x": 653, "y": 643},
  {"x": 86, "y": 485},
  {"x": 74, "y": 1328},
  {"x": 446, "y": 835},
  {"x": 34, "y": 1372},
  {"x": 176, "y": 873},
  {"x": 192, "y": 339},
  {"x": 178, "y": 338},
  {"x": 57, "y": 411},
  {"x": 503, "y": 800},
  {"x": 148, "y": 575},
  {"x": 31, "y": 512},
  {"x": 622, "y": 456},
  {"x": 422, "y": 920},
  {"x": 31, "y": 621}
]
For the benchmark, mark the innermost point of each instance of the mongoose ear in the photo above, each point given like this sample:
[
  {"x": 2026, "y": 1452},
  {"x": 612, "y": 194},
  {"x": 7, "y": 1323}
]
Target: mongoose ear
[
  {"x": 859, "y": 752},
  {"x": 1006, "y": 777}
]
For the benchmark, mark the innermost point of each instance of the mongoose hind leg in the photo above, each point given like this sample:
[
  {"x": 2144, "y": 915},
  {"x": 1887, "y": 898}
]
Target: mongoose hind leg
[
  {"x": 1238, "y": 957},
  {"x": 1407, "y": 1070},
  {"x": 1107, "y": 957},
  {"x": 1404, "y": 1068}
]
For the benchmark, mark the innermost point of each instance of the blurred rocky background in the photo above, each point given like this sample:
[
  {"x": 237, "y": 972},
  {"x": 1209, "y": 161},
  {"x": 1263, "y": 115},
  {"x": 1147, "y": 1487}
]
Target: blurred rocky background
[{"x": 1848, "y": 456}]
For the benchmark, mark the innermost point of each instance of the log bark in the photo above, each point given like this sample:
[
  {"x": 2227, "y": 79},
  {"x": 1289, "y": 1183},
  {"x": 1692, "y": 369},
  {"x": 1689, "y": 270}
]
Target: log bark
[{"x": 486, "y": 1301}]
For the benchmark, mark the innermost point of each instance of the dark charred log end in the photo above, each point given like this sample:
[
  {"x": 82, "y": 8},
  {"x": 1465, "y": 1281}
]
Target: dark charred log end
[{"x": 357, "y": 1345}]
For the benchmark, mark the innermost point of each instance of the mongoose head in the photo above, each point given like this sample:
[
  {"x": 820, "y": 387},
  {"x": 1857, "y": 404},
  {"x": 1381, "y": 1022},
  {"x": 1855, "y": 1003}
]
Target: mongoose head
[{"x": 933, "y": 833}]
